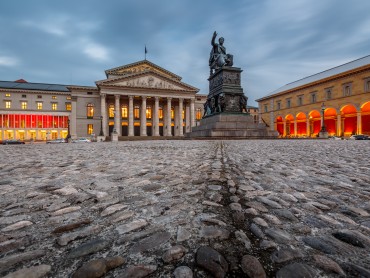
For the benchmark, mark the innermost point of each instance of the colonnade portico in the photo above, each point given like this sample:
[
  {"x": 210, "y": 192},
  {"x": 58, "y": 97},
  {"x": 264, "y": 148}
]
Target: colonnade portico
[{"x": 159, "y": 124}]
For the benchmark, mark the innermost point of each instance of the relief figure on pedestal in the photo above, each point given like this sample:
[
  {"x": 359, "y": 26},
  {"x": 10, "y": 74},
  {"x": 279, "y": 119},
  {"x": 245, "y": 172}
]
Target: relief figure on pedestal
[{"x": 218, "y": 56}]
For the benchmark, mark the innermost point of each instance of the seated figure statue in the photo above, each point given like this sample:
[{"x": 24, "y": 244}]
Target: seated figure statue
[{"x": 218, "y": 57}]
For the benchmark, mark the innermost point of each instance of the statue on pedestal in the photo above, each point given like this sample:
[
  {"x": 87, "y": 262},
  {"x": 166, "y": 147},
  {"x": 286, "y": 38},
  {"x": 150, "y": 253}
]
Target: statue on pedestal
[{"x": 218, "y": 56}]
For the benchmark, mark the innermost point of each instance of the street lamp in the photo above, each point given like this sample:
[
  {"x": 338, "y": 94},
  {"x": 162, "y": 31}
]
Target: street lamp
[
  {"x": 69, "y": 132},
  {"x": 323, "y": 127},
  {"x": 101, "y": 126}
]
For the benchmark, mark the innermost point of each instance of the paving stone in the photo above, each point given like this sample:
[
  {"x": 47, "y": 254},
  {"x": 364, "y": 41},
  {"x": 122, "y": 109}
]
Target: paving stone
[
  {"x": 71, "y": 226},
  {"x": 269, "y": 202},
  {"x": 235, "y": 206},
  {"x": 88, "y": 248},
  {"x": 214, "y": 232},
  {"x": 138, "y": 271},
  {"x": 211, "y": 260},
  {"x": 286, "y": 214},
  {"x": 256, "y": 205},
  {"x": 284, "y": 255},
  {"x": 174, "y": 253},
  {"x": 68, "y": 237},
  {"x": 354, "y": 238},
  {"x": 65, "y": 210},
  {"x": 67, "y": 190},
  {"x": 268, "y": 244},
  {"x": 328, "y": 265},
  {"x": 183, "y": 272},
  {"x": 112, "y": 209},
  {"x": 132, "y": 226},
  {"x": 98, "y": 268},
  {"x": 121, "y": 216},
  {"x": 259, "y": 221},
  {"x": 150, "y": 242},
  {"x": 257, "y": 231},
  {"x": 252, "y": 267},
  {"x": 17, "y": 226},
  {"x": 9, "y": 261},
  {"x": 243, "y": 238},
  {"x": 296, "y": 270},
  {"x": 279, "y": 235},
  {"x": 31, "y": 272},
  {"x": 182, "y": 234}
]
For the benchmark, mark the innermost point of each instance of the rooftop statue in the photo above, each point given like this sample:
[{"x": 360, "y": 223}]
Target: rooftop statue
[{"x": 218, "y": 56}]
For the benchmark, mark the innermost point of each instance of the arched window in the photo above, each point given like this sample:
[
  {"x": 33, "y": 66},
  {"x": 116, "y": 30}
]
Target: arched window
[
  {"x": 199, "y": 114},
  {"x": 90, "y": 110},
  {"x": 111, "y": 110},
  {"x": 124, "y": 111}
]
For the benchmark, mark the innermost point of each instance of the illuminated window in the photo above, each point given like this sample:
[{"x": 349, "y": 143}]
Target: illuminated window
[
  {"x": 90, "y": 129},
  {"x": 172, "y": 113},
  {"x": 7, "y": 95},
  {"x": 111, "y": 110},
  {"x": 39, "y": 105},
  {"x": 90, "y": 110},
  {"x": 8, "y": 104},
  {"x": 183, "y": 114},
  {"x": 199, "y": 114},
  {"x": 54, "y": 97},
  {"x": 54, "y": 106},
  {"x": 137, "y": 112},
  {"x": 148, "y": 112},
  {"x": 68, "y": 106},
  {"x": 68, "y": 97},
  {"x": 24, "y": 104},
  {"x": 124, "y": 111},
  {"x": 160, "y": 112}
]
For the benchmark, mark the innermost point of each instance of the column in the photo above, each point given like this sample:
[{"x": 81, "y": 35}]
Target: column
[
  {"x": 176, "y": 121},
  {"x": 143, "y": 116},
  {"x": 339, "y": 125},
  {"x": 284, "y": 128},
  {"x": 308, "y": 127},
  {"x": 73, "y": 118},
  {"x": 187, "y": 117},
  {"x": 103, "y": 111},
  {"x": 168, "y": 124},
  {"x": 192, "y": 113},
  {"x": 295, "y": 127},
  {"x": 130, "y": 116},
  {"x": 359, "y": 123},
  {"x": 117, "y": 115},
  {"x": 180, "y": 122},
  {"x": 156, "y": 116}
]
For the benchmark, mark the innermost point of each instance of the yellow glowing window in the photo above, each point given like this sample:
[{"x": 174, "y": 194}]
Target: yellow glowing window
[
  {"x": 183, "y": 114},
  {"x": 199, "y": 114},
  {"x": 160, "y": 112},
  {"x": 149, "y": 112},
  {"x": 124, "y": 111},
  {"x": 54, "y": 106},
  {"x": 137, "y": 112},
  {"x": 90, "y": 129},
  {"x": 68, "y": 97},
  {"x": 39, "y": 105},
  {"x": 24, "y": 104},
  {"x": 111, "y": 111},
  {"x": 90, "y": 110},
  {"x": 54, "y": 97},
  {"x": 172, "y": 113},
  {"x": 8, "y": 104},
  {"x": 7, "y": 95},
  {"x": 68, "y": 106}
]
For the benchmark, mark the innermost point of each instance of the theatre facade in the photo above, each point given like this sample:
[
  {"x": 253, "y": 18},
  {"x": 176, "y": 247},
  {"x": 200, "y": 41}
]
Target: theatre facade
[
  {"x": 339, "y": 98},
  {"x": 139, "y": 99}
]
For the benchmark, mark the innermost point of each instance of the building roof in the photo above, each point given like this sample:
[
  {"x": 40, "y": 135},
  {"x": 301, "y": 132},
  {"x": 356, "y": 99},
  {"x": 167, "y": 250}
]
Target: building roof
[
  {"x": 322, "y": 75},
  {"x": 32, "y": 86}
]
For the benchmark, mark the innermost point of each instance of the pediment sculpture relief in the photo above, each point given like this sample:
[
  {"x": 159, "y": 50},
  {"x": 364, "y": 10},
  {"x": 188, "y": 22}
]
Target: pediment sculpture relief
[{"x": 149, "y": 82}]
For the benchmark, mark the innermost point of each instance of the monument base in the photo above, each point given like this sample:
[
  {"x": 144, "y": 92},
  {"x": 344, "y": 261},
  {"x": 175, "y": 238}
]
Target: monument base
[
  {"x": 323, "y": 134},
  {"x": 231, "y": 126},
  {"x": 114, "y": 137},
  {"x": 100, "y": 138}
]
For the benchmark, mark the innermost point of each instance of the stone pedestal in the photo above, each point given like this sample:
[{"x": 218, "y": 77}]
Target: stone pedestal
[
  {"x": 100, "y": 138},
  {"x": 114, "y": 136},
  {"x": 230, "y": 126},
  {"x": 323, "y": 134}
]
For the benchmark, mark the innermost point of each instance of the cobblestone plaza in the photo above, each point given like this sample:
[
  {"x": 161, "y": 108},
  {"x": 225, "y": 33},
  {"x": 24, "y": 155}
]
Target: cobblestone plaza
[{"x": 182, "y": 208}]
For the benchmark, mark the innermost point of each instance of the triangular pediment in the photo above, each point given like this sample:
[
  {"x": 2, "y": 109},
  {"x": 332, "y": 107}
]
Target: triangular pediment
[
  {"x": 146, "y": 79},
  {"x": 139, "y": 67}
]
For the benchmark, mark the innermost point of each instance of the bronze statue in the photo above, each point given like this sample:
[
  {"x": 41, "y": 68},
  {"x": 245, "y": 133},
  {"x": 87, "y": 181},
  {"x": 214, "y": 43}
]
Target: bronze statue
[{"x": 218, "y": 56}]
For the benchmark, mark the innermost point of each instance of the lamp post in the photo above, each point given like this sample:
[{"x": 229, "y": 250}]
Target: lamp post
[
  {"x": 101, "y": 126},
  {"x": 323, "y": 132},
  {"x": 68, "y": 132}
]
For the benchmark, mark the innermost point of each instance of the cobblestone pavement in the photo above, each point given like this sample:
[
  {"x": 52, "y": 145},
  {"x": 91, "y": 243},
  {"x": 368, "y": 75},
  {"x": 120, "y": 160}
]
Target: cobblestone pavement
[{"x": 284, "y": 208}]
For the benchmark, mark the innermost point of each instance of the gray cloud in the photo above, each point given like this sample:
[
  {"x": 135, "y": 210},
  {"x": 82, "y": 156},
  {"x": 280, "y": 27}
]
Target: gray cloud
[{"x": 274, "y": 42}]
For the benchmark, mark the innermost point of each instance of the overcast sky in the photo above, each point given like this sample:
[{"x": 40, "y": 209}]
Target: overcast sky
[{"x": 274, "y": 41}]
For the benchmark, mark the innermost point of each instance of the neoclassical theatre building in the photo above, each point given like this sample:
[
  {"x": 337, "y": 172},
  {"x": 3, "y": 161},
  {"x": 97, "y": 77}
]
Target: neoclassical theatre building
[
  {"x": 340, "y": 96},
  {"x": 139, "y": 99}
]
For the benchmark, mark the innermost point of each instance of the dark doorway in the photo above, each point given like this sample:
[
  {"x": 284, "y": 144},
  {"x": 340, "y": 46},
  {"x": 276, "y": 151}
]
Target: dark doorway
[
  {"x": 125, "y": 130},
  {"x": 161, "y": 130},
  {"x": 149, "y": 130},
  {"x": 137, "y": 130}
]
